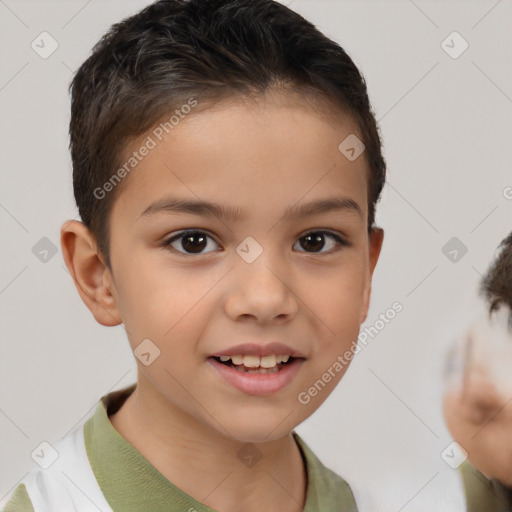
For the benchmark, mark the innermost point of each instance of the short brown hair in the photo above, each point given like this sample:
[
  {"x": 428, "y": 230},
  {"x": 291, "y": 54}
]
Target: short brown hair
[
  {"x": 496, "y": 285},
  {"x": 151, "y": 63}
]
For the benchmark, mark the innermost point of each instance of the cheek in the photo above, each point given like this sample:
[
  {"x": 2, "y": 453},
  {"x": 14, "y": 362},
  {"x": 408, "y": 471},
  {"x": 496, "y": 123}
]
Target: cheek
[
  {"x": 170, "y": 309},
  {"x": 339, "y": 309},
  {"x": 341, "y": 299},
  {"x": 165, "y": 304}
]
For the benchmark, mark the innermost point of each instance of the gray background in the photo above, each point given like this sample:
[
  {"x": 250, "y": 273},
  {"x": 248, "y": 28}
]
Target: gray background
[{"x": 447, "y": 130}]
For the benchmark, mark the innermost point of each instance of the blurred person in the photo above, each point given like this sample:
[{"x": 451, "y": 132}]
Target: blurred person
[{"x": 477, "y": 404}]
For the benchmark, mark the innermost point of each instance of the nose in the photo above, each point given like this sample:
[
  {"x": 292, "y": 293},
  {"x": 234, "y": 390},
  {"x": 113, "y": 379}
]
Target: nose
[{"x": 261, "y": 291}]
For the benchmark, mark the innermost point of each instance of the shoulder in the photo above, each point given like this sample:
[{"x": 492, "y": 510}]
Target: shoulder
[
  {"x": 67, "y": 484},
  {"x": 44, "y": 488},
  {"x": 326, "y": 490},
  {"x": 19, "y": 501},
  {"x": 483, "y": 493}
]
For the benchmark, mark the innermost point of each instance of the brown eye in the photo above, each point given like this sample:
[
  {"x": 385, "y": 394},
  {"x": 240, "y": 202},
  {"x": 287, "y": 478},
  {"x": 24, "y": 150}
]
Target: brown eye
[
  {"x": 315, "y": 241},
  {"x": 190, "y": 242}
]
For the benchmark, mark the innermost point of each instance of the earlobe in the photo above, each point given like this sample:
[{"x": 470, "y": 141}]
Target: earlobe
[
  {"x": 375, "y": 240},
  {"x": 89, "y": 272}
]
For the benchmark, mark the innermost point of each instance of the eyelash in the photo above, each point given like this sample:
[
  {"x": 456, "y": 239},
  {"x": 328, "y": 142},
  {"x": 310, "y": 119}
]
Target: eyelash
[{"x": 341, "y": 242}]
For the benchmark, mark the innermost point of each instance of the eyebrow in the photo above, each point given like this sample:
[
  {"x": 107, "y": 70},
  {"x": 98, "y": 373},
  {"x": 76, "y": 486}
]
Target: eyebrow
[{"x": 205, "y": 208}]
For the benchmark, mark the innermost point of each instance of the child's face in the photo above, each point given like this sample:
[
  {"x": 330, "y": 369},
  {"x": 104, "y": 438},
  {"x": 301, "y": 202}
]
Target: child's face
[{"x": 203, "y": 295}]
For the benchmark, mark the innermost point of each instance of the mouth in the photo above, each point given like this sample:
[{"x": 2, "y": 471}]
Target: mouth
[{"x": 257, "y": 375}]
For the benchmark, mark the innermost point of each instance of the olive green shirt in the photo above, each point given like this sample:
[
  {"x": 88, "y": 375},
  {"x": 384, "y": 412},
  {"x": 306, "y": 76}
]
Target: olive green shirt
[
  {"x": 131, "y": 484},
  {"x": 482, "y": 494}
]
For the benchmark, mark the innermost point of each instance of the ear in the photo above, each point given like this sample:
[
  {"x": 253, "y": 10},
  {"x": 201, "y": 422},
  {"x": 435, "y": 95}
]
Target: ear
[
  {"x": 91, "y": 276},
  {"x": 375, "y": 239}
]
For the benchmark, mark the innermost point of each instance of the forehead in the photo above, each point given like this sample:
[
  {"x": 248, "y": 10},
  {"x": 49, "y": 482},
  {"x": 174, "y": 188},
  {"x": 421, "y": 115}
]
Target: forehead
[{"x": 246, "y": 153}]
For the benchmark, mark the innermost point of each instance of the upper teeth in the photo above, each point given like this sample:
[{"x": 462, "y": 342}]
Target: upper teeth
[{"x": 256, "y": 361}]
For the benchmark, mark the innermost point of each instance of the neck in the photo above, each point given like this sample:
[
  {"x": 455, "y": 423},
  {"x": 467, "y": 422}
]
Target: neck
[{"x": 203, "y": 461}]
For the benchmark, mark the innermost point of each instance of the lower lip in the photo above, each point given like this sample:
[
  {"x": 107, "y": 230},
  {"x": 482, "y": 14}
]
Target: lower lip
[{"x": 258, "y": 383}]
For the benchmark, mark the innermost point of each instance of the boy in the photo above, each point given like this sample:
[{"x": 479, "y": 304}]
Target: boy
[
  {"x": 478, "y": 411},
  {"x": 226, "y": 168}
]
